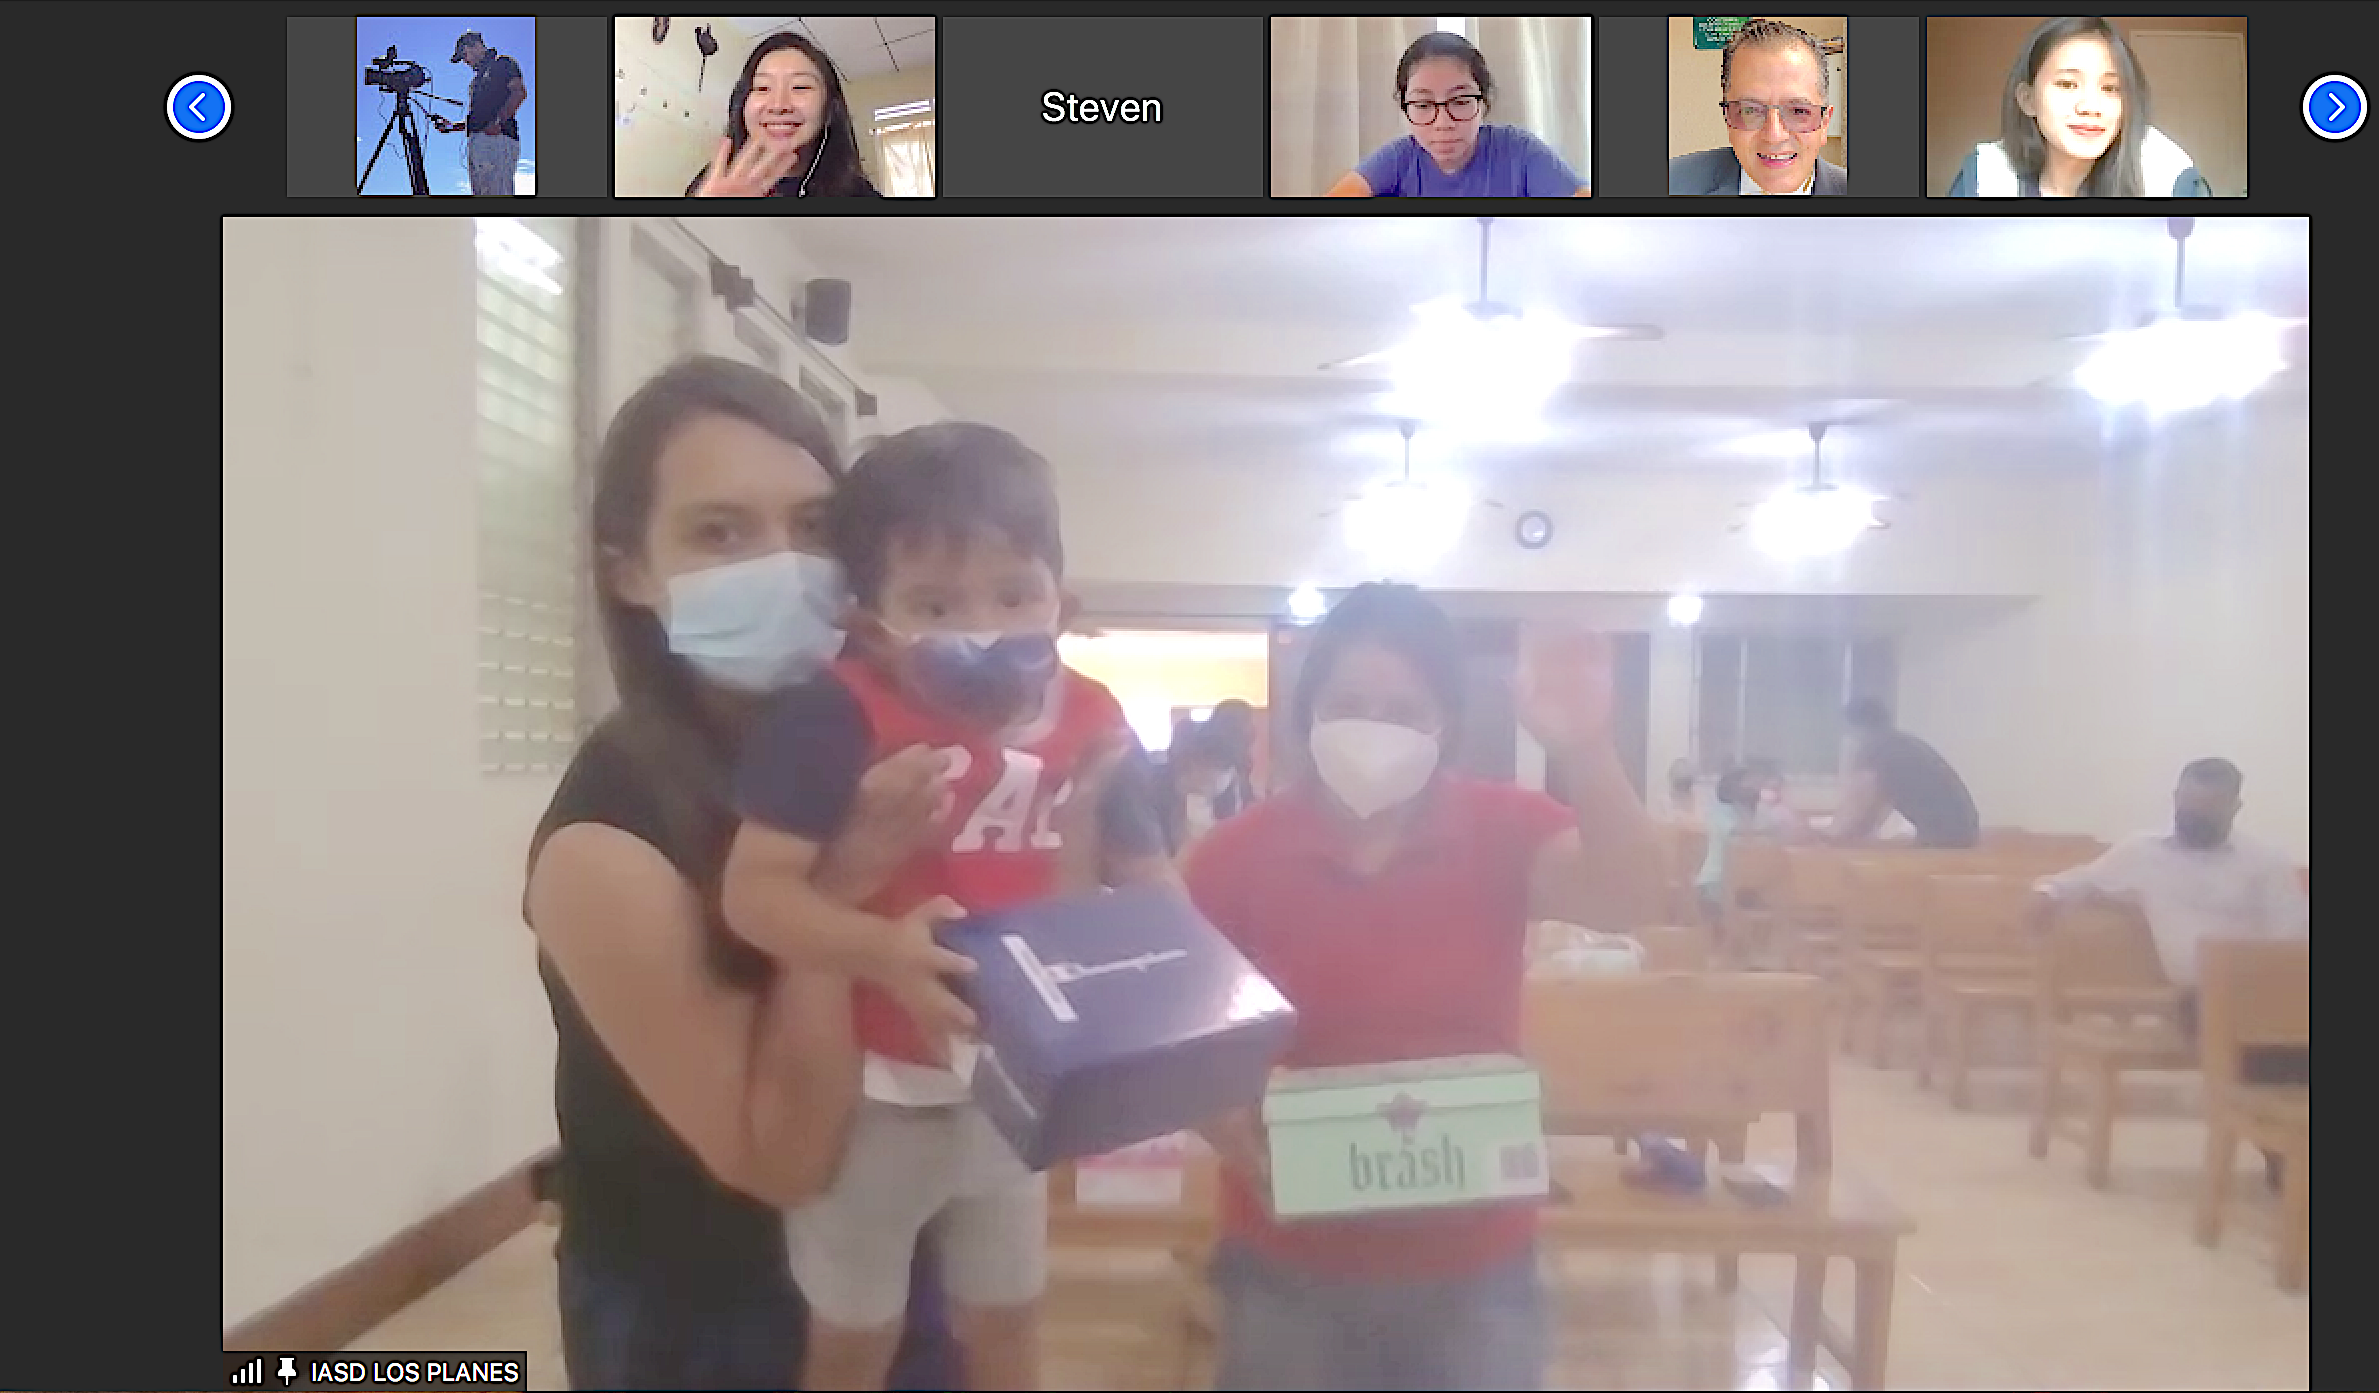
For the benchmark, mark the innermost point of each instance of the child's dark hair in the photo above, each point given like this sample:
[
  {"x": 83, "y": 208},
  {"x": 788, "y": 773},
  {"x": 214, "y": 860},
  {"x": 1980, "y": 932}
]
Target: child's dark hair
[
  {"x": 1444, "y": 45},
  {"x": 954, "y": 483}
]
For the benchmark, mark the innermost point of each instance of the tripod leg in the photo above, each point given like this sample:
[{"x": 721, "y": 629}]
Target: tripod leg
[
  {"x": 412, "y": 136},
  {"x": 376, "y": 149}
]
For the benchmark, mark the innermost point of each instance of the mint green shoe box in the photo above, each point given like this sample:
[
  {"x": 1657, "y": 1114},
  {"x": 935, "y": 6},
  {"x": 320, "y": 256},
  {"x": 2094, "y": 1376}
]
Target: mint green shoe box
[{"x": 1423, "y": 1134}]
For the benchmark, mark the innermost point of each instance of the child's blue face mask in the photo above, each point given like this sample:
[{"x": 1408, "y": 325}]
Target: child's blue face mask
[{"x": 994, "y": 678}]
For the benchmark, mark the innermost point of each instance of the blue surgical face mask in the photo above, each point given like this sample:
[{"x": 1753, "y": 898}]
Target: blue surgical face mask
[
  {"x": 758, "y": 625},
  {"x": 994, "y": 678}
]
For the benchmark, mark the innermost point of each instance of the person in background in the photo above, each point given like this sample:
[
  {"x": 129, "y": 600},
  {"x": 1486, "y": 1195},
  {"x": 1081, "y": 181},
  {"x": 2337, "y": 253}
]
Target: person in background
[
  {"x": 1197, "y": 780},
  {"x": 1890, "y": 771},
  {"x": 1445, "y": 92},
  {"x": 1684, "y": 804},
  {"x": 1774, "y": 90},
  {"x": 2073, "y": 123},
  {"x": 1232, "y": 725},
  {"x": 1744, "y": 806},
  {"x": 1389, "y": 896},
  {"x": 683, "y": 1132},
  {"x": 1776, "y": 812},
  {"x": 2195, "y": 880},
  {"x": 789, "y": 130},
  {"x": 492, "y": 141}
]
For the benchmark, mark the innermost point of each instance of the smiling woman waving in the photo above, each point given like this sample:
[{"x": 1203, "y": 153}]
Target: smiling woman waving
[
  {"x": 789, "y": 130},
  {"x": 1389, "y": 898}
]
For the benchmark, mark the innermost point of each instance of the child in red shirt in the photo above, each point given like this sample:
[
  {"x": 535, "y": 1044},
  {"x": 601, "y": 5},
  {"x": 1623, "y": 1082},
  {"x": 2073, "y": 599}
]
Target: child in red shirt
[{"x": 948, "y": 536}]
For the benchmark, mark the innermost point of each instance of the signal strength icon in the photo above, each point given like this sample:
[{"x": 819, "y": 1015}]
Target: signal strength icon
[{"x": 250, "y": 1374}]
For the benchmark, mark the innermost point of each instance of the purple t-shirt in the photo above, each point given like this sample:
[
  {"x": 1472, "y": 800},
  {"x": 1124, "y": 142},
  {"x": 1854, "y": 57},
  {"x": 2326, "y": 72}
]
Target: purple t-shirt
[{"x": 1506, "y": 163}]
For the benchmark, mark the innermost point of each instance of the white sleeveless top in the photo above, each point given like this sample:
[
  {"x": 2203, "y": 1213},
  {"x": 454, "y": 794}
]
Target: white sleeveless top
[{"x": 2162, "y": 163}]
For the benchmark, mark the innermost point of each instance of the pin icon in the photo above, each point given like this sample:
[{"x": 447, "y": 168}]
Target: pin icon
[{"x": 288, "y": 1371}]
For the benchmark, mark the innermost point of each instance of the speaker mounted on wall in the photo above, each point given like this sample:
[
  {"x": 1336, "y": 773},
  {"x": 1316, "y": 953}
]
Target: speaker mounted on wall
[{"x": 824, "y": 313}]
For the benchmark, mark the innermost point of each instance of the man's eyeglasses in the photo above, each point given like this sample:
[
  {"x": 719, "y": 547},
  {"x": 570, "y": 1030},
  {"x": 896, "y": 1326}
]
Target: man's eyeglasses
[
  {"x": 1462, "y": 108},
  {"x": 1798, "y": 117}
]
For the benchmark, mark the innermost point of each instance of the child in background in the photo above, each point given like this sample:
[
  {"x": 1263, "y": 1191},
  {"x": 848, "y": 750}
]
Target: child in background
[{"x": 949, "y": 538}]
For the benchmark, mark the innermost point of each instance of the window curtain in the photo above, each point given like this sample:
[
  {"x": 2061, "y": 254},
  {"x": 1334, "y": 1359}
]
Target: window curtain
[{"x": 905, "y": 155}]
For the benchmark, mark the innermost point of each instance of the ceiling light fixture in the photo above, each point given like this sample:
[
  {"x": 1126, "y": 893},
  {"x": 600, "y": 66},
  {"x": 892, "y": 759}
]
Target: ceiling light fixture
[
  {"x": 2176, "y": 364},
  {"x": 1482, "y": 374},
  {"x": 1404, "y": 522},
  {"x": 1306, "y": 605},
  {"x": 1817, "y": 518},
  {"x": 1807, "y": 521},
  {"x": 1685, "y": 611},
  {"x": 1407, "y": 522}
]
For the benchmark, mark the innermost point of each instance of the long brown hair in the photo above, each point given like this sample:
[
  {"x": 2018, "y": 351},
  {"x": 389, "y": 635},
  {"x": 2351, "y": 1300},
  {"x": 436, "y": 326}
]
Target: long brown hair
[
  {"x": 2116, "y": 174},
  {"x": 666, "y": 721}
]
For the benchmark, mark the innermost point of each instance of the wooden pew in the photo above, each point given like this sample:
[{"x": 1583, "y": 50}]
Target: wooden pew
[
  {"x": 1186, "y": 1229},
  {"x": 1700, "y": 1050},
  {"x": 1755, "y": 878},
  {"x": 2105, "y": 1009},
  {"x": 2251, "y": 994},
  {"x": 1976, "y": 959}
]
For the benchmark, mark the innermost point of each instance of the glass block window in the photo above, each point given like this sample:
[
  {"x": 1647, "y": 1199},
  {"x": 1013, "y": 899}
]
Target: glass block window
[{"x": 528, "y": 388}]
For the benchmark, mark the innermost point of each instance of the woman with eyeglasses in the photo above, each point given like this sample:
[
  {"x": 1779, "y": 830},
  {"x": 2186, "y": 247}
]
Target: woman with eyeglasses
[
  {"x": 1775, "y": 93},
  {"x": 2073, "y": 123},
  {"x": 1451, "y": 150}
]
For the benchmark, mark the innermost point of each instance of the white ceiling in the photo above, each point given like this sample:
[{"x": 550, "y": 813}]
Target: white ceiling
[
  {"x": 860, "y": 46},
  {"x": 1187, "y": 339}
]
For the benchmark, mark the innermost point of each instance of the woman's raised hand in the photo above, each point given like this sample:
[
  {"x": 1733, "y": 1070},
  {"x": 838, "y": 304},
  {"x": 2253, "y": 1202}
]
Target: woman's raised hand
[{"x": 750, "y": 174}]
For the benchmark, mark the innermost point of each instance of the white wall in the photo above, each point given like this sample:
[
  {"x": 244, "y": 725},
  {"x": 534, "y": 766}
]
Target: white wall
[
  {"x": 1273, "y": 522},
  {"x": 2180, "y": 632},
  {"x": 386, "y": 1048}
]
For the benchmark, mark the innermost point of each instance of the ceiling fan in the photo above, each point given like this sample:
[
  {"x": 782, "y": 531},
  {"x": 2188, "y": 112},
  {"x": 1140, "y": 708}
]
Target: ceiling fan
[
  {"x": 1402, "y": 520},
  {"x": 2183, "y": 356},
  {"x": 1817, "y": 517},
  {"x": 2180, "y": 311},
  {"x": 1487, "y": 311}
]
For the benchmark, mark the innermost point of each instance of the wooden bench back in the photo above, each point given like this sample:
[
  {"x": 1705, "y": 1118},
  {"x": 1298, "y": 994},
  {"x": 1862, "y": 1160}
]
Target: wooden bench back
[
  {"x": 1676, "y": 948},
  {"x": 2015, "y": 842},
  {"x": 1754, "y": 865},
  {"x": 1884, "y": 893},
  {"x": 2097, "y": 948},
  {"x": 1718, "y": 1048},
  {"x": 1191, "y": 1220},
  {"x": 1977, "y": 914},
  {"x": 2251, "y": 993},
  {"x": 1817, "y": 882}
]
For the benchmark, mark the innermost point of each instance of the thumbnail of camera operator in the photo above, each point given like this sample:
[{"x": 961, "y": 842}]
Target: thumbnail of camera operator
[{"x": 487, "y": 99}]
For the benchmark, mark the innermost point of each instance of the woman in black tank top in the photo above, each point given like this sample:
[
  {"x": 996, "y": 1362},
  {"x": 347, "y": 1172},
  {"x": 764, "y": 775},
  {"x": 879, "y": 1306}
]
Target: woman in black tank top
[{"x": 682, "y": 1136}]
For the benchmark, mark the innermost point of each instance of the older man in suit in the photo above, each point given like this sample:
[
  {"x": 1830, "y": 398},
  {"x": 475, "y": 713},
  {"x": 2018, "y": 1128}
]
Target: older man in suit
[{"x": 1774, "y": 91}]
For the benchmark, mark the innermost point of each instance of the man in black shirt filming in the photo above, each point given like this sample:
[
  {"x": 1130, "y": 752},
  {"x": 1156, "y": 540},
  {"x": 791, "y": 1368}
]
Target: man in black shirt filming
[
  {"x": 493, "y": 136},
  {"x": 1890, "y": 771}
]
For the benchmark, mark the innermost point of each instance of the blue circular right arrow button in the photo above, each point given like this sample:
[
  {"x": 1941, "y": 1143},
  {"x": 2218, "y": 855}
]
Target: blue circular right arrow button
[{"x": 2335, "y": 106}]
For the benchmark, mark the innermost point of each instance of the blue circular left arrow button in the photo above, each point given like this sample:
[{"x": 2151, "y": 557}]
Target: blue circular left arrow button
[{"x": 198, "y": 107}]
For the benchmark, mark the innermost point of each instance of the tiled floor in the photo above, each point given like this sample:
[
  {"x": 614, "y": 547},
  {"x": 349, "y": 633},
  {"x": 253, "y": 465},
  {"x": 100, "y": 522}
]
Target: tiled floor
[{"x": 2019, "y": 1276}]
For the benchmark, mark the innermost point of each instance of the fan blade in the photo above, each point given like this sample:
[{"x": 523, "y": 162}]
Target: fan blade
[
  {"x": 1625, "y": 333},
  {"x": 1360, "y": 360}
]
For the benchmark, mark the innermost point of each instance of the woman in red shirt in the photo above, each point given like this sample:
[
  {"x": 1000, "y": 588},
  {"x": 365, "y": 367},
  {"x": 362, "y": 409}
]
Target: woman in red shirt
[{"x": 1389, "y": 897}]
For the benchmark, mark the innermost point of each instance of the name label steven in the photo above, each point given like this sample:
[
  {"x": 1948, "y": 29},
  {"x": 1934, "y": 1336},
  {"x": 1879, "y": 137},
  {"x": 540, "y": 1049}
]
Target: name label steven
[{"x": 1066, "y": 109}]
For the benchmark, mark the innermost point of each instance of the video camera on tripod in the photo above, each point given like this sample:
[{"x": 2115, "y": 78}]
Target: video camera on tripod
[
  {"x": 395, "y": 76},
  {"x": 401, "y": 78}
]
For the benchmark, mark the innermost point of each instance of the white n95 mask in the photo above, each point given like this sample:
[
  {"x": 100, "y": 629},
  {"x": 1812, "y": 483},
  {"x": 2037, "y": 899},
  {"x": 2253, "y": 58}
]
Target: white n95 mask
[
  {"x": 758, "y": 625},
  {"x": 1372, "y": 766}
]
